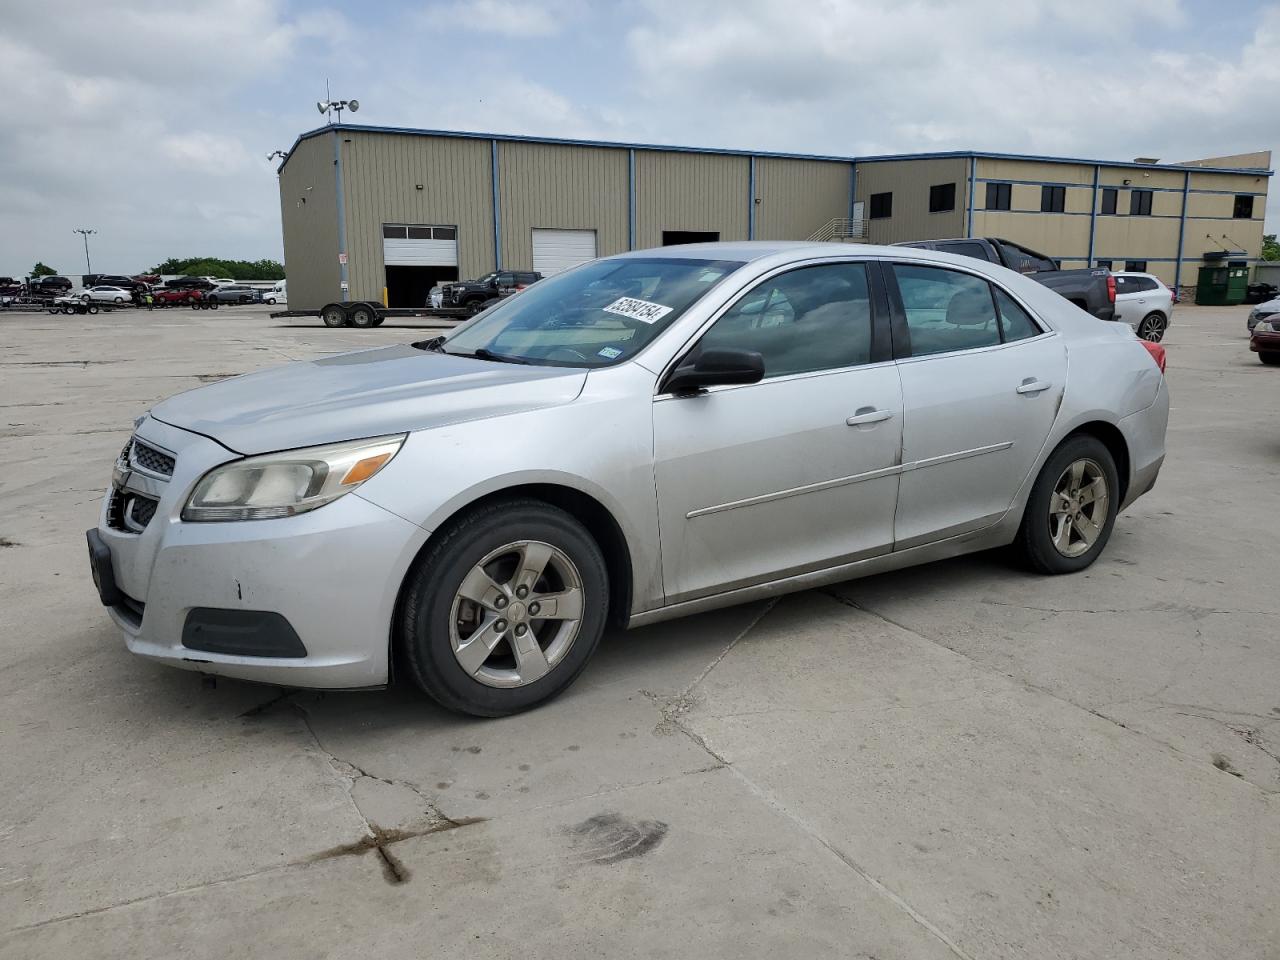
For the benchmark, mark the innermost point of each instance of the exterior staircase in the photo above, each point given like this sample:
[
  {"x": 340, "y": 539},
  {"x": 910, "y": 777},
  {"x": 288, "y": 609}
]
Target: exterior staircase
[{"x": 841, "y": 230}]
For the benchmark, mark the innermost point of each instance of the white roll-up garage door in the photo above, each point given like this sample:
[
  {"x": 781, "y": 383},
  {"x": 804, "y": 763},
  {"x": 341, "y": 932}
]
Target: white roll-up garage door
[
  {"x": 556, "y": 250},
  {"x": 419, "y": 246}
]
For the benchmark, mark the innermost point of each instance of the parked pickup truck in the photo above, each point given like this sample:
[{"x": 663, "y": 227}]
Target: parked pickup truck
[{"x": 1091, "y": 289}]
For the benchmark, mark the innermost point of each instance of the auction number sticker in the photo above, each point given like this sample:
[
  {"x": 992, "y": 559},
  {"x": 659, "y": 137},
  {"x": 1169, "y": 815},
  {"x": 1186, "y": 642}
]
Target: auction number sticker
[{"x": 641, "y": 310}]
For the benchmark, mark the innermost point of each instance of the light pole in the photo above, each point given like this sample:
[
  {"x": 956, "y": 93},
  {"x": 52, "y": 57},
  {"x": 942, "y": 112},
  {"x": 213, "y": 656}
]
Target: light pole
[{"x": 84, "y": 232}]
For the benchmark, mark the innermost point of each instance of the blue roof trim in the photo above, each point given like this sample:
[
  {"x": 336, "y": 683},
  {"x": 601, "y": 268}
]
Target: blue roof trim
[{"x": 672, "y": 148}]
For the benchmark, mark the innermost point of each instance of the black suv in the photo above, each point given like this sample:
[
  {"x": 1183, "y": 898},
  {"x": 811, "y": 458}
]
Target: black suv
[
  {"x": 188, "y": 283},
  {"x": 112, "y": 280},
  {"x": 474, "y": 295},
  {"x": 58, "y": 285}
]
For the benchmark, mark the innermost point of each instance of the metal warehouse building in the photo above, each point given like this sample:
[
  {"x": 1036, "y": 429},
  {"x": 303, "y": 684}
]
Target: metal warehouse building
[{"x": 372, "y": 213}]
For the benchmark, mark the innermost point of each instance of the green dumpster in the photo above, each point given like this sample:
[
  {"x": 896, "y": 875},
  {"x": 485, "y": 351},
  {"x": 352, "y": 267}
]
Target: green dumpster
[{"x": 1222, "y": 281}]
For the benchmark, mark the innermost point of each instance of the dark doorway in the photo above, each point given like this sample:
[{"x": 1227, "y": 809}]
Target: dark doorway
[
  {"x": 409, "y": 286},
  {"x": 672, "y": 237}
]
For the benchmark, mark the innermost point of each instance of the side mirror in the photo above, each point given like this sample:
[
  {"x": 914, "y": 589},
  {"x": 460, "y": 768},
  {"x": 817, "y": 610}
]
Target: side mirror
[{"x": 713, "y": 368}]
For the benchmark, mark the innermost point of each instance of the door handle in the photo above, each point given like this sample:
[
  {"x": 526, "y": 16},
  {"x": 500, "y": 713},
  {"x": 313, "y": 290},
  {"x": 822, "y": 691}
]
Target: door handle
[
  {"x": 866, "y": 415},
  {"x": 1033, "y": 386}
]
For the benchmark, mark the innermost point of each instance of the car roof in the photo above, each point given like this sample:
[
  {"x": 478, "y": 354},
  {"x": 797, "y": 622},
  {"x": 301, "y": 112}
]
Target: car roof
[{"x": 1137, "y": 273}]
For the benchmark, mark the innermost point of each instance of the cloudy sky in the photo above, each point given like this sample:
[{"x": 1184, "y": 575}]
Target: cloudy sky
[{"x": 150, "y": 121}]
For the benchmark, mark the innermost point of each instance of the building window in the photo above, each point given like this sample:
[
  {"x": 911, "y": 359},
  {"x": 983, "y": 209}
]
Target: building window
[
  {"x": 391, "y": 232},
  {"x": 1109, "y": 195},
  {"x": 881, "y": 206},
  {"x": 1053, "y": 199},
  {"x": 1103, "y": 264},
  {"x": 1139, "y": 203},
  {"x": 999, "y": 196},
  {"x": 1244, "y": 207},
  {"x": 942, "y": 197},
  {"x": 1136, "y": 266}
]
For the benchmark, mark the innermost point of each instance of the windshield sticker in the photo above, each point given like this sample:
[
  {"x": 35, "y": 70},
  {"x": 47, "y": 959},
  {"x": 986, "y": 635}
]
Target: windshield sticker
[
  {"x": 641, "y": 310},
  {"x": 610, "y": 353}
]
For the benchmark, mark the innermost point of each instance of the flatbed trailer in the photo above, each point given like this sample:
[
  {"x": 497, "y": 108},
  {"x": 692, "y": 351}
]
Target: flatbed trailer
[{"x": 366, "y": 313}]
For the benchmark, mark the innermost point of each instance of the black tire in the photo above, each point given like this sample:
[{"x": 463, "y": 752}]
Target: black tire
[
  {"x": 119, "y": 300},
  {"x": 334, "y": 316},
  {"x": 92, "y": 309},
  {"x": 1034, "y": 543},
  {"x": 1152, "y": 327},
  {"x": 423, "y": 629},
  {"x": 377, "y": 321},
  {"x": 473, "y": 307},
  {"x": 213, "y": 304},
  {"x": 1270, "y": 358},
  {"x": 361, "y": 316},
  {"x": 85, "y": 298}
]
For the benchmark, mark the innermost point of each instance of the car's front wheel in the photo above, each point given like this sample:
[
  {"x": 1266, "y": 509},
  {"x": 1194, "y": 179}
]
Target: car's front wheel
[
  {"x": 504, "y": 609},
  {"x": 1072, "y": 507}
]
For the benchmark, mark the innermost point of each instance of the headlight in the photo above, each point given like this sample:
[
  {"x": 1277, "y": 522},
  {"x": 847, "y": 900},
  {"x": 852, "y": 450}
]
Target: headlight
[{"x": 284, "y": 484}]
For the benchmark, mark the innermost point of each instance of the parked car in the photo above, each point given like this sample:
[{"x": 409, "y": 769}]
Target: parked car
[
  {"x": 49, "y": 285},
  {"x": 10, "y": 287},
  {"x": 475, "y": 295},
  {"x": 113, "y": 280},
  {"x": 761, "y": 418},
  {"x": 188, "y": 283},
  {"x": 233, "y": 293},
  {"x": 175, "y": 296},
  {"x": 1145, "y": 303},
  {"x": 1091, "y": 289},
  {"x": 1263, "y": 311},
  {"x": 1264, "y": 340},
  {"x": 107, "y": 294}
]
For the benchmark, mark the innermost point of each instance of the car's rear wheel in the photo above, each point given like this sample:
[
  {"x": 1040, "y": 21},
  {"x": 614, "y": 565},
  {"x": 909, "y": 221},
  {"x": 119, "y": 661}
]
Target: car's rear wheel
[
  {"x": 362, "y": 316},
  {"x": 1153, "y": 326},
  {"x": 91, "y": 308},
  {"x": 119, "y": 299},
  {"x": 1072, "y": 507},
  {"x": 504, "y": 609},
  {"x": 1270, "y": 357}
]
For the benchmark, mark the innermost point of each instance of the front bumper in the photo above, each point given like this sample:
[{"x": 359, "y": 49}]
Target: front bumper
[
  {"x": 1262, "y": 341},
  {"x": 332, "y": 574}
]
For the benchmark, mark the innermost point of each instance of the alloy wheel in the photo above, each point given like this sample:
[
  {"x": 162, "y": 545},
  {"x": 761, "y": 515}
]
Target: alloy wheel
[
  {"x": 516, "y": 614},
  {"x": 1078, "y": 507},
  {"x": 1152, "y": 327}
]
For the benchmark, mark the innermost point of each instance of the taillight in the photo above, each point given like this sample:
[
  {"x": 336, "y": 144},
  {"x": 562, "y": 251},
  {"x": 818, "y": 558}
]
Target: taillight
[
  {"x": 1157, "y": 353},
  {"x": 1111, "y": 287}
]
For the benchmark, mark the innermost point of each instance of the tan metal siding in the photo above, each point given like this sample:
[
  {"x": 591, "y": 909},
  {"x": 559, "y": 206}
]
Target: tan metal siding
[
  {"x": 798, "y": 197},
  {"x": 690, "y": 191},
  {"x": 1140, "y": 177},
  {"x": 909, "y": 182},
  {"x": 1136, "y": 238},
  {"x": 568, "y": 188},
  {"x": 1033, "y": 170},
  {"x": 380, "y": 173},
  {"x": 309, "y": 221},
  {"x": 1054, "y": 234},
  {"x": 1233, "y": 182}
]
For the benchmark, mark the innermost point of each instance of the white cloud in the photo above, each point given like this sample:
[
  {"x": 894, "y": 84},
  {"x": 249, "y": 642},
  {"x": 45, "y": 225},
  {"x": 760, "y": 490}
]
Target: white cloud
[
  {"x": 516, "y": 18},
  {"x": 206, "y": 153}
]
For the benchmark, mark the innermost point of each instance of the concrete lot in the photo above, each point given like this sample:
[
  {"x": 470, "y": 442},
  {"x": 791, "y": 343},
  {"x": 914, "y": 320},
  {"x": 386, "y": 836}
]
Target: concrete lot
[{"x": 959, "y": 760}]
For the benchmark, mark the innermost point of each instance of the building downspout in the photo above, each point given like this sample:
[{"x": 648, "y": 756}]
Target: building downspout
[
  {"x": 973, "y": 174},
  {"x": 853, "y": 193},
  {"x": 631, "y": 199},
  {"x": 343, "y": 279},
  {"x": 1182, "y": 229},
  {"x": 1093, "y": 214},
  {"x": 751, "y": 198},
  {"x": 497, "y": 213}
]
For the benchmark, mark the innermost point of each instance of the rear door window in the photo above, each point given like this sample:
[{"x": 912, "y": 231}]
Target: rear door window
[{"x": 946, "y": 310}]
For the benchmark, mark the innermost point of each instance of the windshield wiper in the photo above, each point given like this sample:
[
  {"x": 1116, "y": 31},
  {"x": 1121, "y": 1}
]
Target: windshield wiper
[
  {"x": 483, "y": 354},
  {"x": 435, "y": 345}
]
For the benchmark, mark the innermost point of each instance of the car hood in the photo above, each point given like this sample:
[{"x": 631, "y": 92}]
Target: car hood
[{"x": 365, "y": 394}]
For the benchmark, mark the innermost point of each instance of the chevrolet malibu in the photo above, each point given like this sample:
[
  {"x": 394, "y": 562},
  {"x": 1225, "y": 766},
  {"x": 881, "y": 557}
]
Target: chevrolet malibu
[{"x": 642, "y": 437}]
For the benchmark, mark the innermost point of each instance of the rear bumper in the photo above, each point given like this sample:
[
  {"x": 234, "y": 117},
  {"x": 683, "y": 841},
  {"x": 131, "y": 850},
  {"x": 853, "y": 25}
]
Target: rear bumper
[{"x": 1144, "y": 434}]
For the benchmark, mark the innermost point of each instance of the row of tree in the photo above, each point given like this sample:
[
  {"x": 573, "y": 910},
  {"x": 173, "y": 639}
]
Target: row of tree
[{"x": 202, "y": 267}]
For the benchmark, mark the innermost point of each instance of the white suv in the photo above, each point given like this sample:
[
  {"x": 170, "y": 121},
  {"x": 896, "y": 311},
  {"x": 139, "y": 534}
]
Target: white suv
[{"x": 1145, "y": 303}]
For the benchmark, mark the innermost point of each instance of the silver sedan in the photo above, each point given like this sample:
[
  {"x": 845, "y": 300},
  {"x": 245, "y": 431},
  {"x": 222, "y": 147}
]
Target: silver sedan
[{"x": 642, "y": 437}]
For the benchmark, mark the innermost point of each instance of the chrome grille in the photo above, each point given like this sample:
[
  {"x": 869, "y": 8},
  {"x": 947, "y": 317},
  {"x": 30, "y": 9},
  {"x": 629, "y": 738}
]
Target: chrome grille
[{"x": 148, "y": 458}]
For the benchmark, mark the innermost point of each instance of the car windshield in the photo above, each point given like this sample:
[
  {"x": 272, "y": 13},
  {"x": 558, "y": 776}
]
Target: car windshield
[{"x": 599, "y": 314}]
